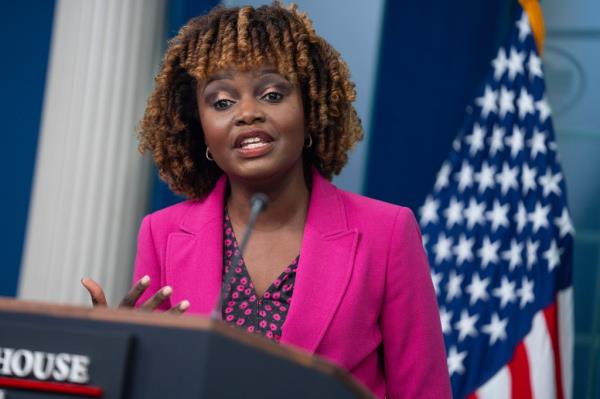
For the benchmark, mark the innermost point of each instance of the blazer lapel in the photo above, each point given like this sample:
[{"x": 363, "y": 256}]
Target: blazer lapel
[
  {"x": 194, "y": 258},
  {"x": 324, "y": 270}
]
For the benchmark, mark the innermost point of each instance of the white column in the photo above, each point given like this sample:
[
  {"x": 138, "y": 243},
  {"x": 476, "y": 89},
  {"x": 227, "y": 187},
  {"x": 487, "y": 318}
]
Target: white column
[{"x": 91, "y": 185}]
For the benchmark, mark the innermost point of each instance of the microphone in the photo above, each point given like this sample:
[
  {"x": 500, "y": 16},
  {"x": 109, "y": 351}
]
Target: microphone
[{"x": 258, "y": 203}]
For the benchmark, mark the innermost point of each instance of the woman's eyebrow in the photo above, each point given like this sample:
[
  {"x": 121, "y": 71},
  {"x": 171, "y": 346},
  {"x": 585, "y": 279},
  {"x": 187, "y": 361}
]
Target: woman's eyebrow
[
  {"x": 272, "y": 76},
  {"x": 268, "y": 71},
  {"x": 219, "y": 76}
]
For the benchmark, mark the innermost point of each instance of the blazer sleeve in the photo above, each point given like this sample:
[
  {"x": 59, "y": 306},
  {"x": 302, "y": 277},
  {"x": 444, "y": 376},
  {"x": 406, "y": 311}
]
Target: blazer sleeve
[
  {"x": 413, "y": 347},
  {"x": 147, "y": 262}
]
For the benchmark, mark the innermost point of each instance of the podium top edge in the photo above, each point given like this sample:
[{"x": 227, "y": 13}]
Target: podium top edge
[{"x": 193, "y": 322}]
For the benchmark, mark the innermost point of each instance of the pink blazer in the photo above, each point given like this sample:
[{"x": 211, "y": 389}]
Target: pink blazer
[{"x": 363, "y": 296}]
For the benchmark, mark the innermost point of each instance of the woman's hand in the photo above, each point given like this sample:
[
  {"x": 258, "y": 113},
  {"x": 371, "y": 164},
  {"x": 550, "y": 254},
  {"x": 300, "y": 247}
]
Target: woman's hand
[{"x": 99, "y": 299}]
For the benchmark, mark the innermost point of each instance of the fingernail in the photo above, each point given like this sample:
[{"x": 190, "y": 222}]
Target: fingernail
[
  {"x": 184, "y": 305},
  {"x": 145, "y": 280},
  {"x": 167, "y": 290}
]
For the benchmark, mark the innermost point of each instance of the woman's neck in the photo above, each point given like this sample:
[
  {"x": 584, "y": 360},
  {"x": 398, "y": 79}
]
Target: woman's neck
[{"x": 288, "y": 202}]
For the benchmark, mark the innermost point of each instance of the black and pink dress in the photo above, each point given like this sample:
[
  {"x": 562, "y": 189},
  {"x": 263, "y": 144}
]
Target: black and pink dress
[{"x": 242, "y": 306}]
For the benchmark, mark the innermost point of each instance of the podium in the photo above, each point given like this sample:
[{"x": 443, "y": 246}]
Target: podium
[{"x": 58, "y": 351}]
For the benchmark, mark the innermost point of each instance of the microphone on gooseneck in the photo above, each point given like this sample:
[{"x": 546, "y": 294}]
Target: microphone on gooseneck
[{"x": 258, "y": 203}]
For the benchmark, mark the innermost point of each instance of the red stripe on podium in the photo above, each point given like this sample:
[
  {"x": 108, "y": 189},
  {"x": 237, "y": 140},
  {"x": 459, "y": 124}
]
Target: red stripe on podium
[{"x": 55, "y": 387}]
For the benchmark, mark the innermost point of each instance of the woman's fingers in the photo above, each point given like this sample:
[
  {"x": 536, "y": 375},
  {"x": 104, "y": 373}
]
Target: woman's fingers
[
  {"x": 136, "y": 291},
  {"x": 99, "y": 299},
  {"x": 180, "y": 308},
  {"x": 95, "y": 291},
  {"x": 157, "y": 299}
]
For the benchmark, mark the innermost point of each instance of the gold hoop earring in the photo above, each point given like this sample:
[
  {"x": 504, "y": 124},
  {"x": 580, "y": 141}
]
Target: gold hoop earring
[
  {"x": 207, "y": 155},
  {"x": 310, "y": 143}
]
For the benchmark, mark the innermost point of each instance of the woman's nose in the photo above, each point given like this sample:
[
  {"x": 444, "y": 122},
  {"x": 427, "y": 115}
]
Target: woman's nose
[{"x": 249, "y": 112}]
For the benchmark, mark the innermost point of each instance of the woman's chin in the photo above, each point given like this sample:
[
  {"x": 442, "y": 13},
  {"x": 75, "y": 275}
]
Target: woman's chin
[{"x": 265, "y": 169}]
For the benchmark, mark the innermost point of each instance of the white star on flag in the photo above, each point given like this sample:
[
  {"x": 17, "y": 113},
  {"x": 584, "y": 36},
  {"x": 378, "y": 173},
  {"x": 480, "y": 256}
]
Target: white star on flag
[
  {"x": 543, "y": 108},
  {"x": 488, "y": 101},
  {"x": 516, "y": 142},
  {"x": 429, "y": 211},
  {"x": 496, "y": 328},
  {"x": 466, "y": 325},
  {"x": 525, "y": 293},
  {"x": 475, "y": 213},
  {"x": 525, "y": 104},
  {"x": 523, "y": 26},
  {"x": 500, "y": 63},
  {"x": 485, "y": 177},
  {"x": 497, "y": 140},
  {"x": 521, "y": 217},
  {"x": 443, "y": 177},
  {"x": 532, "y": 248},
  {"x": 477, "y": 289},
  {"x": 445, "y": 318},
  {"x": 528, "y": 176},
  {"x": 507, "y": 178},
  {"x": 515, "y": 63},
  {"x": 549, "y": 182},
  {"x": 498, "y": 215},
  {"x": 465, "y": 176},
  {"x": 455, "y": 361},
  {"x": 506, "y": 292},
  {"x": 488, "y": 252},
  {"x": 453, "y": 286},
  {"x": 475, "y": 139},
  {"x": 507, "y": 99},
  {"x": 443, "y": 248},
  {"x": 539, "y": 217},
  {"x": 464, "y": 249},
  {"x": 535, "y": 66},
  {"x": 513, "y": 255},
  {"x": 537, "y": 143},
  {"x": 454, "y": 213},
  {"x": 564, "y": 223},
  {"x": 552, "y": 255}
]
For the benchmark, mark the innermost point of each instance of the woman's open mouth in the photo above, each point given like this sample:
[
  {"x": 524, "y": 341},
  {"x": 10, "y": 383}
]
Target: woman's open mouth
[{"x": 253, "y": 144}]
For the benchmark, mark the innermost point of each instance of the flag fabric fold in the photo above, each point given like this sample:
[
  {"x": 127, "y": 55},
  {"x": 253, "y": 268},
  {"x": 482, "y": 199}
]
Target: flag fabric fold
[{"x": 499, "y": 237}]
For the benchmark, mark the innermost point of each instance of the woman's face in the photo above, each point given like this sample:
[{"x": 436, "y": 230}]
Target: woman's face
[{"x": 253, "y": 123}]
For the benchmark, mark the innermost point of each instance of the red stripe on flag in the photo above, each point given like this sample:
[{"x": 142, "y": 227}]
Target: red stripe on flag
[
  {"x": 472, "y": 396},
  {"x": 56, "y": 387},
  {"x": 519, "y": 374},
  {"x": 552, "y": 324}
]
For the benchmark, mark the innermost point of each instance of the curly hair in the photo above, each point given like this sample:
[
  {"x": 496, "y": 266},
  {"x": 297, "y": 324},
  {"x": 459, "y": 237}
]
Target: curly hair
[{"x": 246, "y": 38}]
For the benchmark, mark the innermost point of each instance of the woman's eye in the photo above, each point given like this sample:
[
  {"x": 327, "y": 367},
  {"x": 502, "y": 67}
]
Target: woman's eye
[
  {"x": 220, "y": 105},
  {"x": 273, "y": 96}
]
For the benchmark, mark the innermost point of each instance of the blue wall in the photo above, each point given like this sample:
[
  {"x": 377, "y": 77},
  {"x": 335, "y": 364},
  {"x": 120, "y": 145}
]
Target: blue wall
[
  {"x": 433, "y": 56},
  {"x": 178, "y": 13},
  {"x": 25, "y": 30}
]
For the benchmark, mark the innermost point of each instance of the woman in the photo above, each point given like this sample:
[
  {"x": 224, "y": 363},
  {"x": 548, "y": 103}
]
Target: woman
[{"x": 252, "y": 100}]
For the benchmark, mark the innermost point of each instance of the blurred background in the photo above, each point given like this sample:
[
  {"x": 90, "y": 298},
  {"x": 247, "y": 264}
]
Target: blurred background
[{"x": 76, "y": 74}]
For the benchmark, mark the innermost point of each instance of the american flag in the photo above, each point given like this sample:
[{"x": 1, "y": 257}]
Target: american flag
[{"x": 499, "y": 238}]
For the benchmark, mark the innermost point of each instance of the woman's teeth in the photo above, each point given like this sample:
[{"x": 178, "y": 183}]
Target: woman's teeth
[{"x": 253, "y": 142}]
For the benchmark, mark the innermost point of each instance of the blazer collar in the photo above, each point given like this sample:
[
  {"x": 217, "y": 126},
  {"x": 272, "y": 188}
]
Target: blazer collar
[
  {"x": 206, "y": 210},
  {"x": 195, "y": 261},
  {"x": 324, "y": 269}
]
